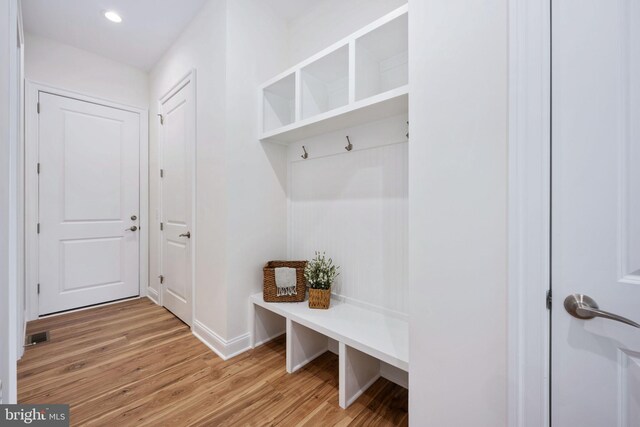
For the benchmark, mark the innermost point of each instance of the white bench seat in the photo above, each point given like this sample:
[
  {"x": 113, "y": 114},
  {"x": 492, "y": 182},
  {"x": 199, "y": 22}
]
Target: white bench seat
[{"x": 365, "y": 338}]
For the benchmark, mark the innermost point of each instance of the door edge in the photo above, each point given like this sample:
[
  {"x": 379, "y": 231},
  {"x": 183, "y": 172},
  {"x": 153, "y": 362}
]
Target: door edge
[{"x": 529, "y": 208}]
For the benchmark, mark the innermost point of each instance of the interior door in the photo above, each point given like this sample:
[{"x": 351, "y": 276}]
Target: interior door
[
  {"x": 595, "y": 212},
  {"x": 88, "y": 203},
  {"x": 177, "y": 151}
]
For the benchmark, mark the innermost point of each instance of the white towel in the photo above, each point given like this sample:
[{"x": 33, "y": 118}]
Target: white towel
[{"x": 286, "y": 281}]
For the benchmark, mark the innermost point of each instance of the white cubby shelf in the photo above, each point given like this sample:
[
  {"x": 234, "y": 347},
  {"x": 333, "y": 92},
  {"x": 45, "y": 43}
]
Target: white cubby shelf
[
  {"x": 370, "y": 344},
  {"x": 362, "y": 78}
]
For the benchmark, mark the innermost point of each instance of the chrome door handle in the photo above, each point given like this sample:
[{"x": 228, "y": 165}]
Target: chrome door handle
[
  {"x": 585, "y": 308},
  {"x": 132, "y": 228},
  {"x": 187, "y": 235}
]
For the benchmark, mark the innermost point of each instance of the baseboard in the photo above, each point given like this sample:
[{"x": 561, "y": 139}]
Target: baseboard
[
  {"x": 226, "y": 349},
  {"x": 153, "y": 295},
  {"x": 24, "y": 335}
]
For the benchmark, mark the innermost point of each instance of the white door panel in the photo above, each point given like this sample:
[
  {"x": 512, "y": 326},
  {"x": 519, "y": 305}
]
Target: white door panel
[
  {"x": 177, "y": 150},
  {"x": 596, "y": 210},
  {"x": 89, "y": 189}
]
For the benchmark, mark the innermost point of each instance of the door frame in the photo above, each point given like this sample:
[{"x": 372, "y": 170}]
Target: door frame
[
  {"x": 11, "y": 60},
  {"x": 188, "y": 79},
  {"x": 529, "y": 213},
  {"x": 32, "y": 90}
]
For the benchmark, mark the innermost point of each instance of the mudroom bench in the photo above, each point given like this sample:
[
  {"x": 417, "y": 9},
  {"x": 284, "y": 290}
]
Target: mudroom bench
[{"x": 369, "y": 344}]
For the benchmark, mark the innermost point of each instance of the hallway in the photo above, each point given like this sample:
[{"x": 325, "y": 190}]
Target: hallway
[{"x": 134, "y": 363}]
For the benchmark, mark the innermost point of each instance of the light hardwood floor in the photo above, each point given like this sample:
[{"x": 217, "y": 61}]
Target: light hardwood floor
[{"x": 134, "y": 363}]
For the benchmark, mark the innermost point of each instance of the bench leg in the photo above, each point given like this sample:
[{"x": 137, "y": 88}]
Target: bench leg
[
  {"x": 266, "y": 325},
  {"x": 358, "y": 371},
  {"x": 303, "y": 345}
]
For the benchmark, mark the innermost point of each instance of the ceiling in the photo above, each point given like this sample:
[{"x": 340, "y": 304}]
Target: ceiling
[
  {"x": 148, "y": 26},
  {"x": 148, "y": 29}
]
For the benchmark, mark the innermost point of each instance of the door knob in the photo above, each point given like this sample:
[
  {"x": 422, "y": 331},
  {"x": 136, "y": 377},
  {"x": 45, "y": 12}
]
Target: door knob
[
  {"x": 585, "y": 308},
  {"x": 132, "y": 228},
  {"x": 187, "y": 235}
]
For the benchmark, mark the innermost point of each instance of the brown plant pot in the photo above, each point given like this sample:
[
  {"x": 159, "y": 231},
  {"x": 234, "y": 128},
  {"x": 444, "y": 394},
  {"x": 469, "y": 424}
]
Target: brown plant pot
[{"x": 319, "y": 298}]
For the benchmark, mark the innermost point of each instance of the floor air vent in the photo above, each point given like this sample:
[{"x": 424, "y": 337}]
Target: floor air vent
[{"x": 37, "y": 338}]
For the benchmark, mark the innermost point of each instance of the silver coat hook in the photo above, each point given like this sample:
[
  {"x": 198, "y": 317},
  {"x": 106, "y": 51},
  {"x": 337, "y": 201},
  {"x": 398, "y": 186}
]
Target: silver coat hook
[
  {"x": 305, "y": 155},
  {"x": 349, "y": 146}
]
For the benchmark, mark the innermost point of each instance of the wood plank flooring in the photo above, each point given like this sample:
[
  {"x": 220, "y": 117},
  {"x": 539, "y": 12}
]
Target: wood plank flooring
[{"x": 134, "y": 363}]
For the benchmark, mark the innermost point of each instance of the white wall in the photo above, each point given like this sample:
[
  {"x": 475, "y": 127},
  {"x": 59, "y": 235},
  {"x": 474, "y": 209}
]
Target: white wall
[
  {"x": 333, "y": 20},
  {"x": 457, "y": 227},
  {"x": 9, "y": 143},
  {"x": 256, "y": 187},
  {"x": 241, "y": 201},
  {"x": 354, "y": 206},
  {"x": 202, "y": 46},
  {"x": 57, "y": 64}
]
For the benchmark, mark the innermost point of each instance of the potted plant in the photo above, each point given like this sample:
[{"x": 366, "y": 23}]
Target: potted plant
[{"x": 320, "y": 274}]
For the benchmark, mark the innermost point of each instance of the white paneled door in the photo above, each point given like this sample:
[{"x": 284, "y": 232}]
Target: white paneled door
[
  {"x": 88, "y": 203},
  {"x": 177, "y": 183},
  {"x": 595, "y": 212}
]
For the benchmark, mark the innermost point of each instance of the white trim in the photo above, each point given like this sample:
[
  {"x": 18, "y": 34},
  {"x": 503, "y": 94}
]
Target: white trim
[
  {"x": 20, "y": 24},
  {"x": 226, "y": 349},
  {"x": 32, "y": 89},
  {"x": 21, "y": 321},
  {"x": 70, "y": 93},
  {"x": 529, "y": 212},
  {"x": 9, "y": 210},
  {"x": 153, "y": 295},
  {"x": 189, "y": 77}
]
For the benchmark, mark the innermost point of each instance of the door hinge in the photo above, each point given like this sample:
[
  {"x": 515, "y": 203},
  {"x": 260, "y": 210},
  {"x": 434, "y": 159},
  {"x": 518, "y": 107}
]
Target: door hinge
[
  {"x": 161, "y": 173},
  {"x": 548, "y": 299},
  {"x": 161, "y": 226},
  {"x": 38, "y": 288},
  {"x": 38, "y": 107},
  {"x": 38, "y": 168},
  {"x": 161, "y": 279},
  {"x": 38, "y": 228},
  {"x": 161, "y": 119}
]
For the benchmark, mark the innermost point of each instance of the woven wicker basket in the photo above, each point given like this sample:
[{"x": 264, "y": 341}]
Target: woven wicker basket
[
  {"x": 319, "y": 298},
  {"x": 270, "y": 290}
]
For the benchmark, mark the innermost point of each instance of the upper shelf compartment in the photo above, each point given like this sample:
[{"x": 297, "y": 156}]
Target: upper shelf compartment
[
  {"x": 278, "y": 101},
  {"x": 382, "y": 59},
  {"x": 325, "y": 83},
  {"x": 362, "y": 78}
]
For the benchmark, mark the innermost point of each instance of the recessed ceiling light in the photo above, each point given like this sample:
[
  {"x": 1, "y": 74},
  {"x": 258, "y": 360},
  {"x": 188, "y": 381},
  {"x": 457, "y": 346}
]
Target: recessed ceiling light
[{"x": 113, "y": 16}]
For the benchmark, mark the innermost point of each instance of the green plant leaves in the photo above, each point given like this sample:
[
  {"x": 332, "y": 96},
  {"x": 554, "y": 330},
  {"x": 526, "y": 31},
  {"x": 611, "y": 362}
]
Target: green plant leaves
[{"x": 320, "y": 272}]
